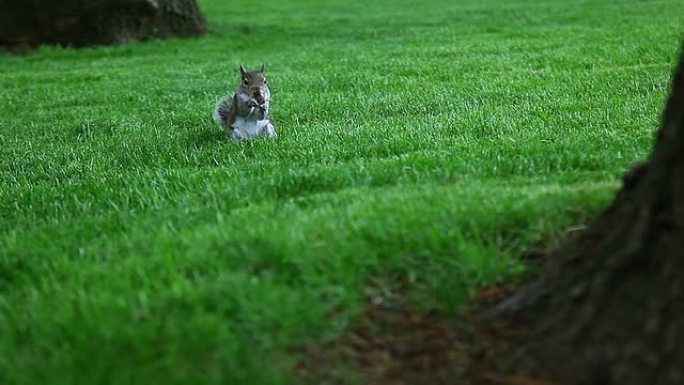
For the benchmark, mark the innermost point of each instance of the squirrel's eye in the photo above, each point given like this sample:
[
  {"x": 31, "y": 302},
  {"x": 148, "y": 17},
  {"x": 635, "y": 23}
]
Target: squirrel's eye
[
  {"x": 245, "y": 82},
  {"x": 265, "y": 81}
]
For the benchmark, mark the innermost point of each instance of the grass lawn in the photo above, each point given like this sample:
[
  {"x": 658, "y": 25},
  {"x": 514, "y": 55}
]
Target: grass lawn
[{"x": 427, "y": 142}]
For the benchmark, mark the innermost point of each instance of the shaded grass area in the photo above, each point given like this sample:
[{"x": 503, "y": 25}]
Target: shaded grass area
[{"x": 425, "y": 141}]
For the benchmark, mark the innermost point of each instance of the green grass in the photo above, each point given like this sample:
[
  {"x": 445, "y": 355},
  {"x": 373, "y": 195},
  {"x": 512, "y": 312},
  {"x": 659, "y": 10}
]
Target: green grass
[{"x": 429, "y": 142}]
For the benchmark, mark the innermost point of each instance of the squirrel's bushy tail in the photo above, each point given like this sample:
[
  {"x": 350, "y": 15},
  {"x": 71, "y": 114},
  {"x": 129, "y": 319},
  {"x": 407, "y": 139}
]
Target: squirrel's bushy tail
[{"x": 222, "y": 112}]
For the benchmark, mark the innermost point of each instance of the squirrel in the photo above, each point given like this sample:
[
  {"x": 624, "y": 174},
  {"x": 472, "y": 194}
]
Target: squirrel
[{"x": 246, "y": 113}]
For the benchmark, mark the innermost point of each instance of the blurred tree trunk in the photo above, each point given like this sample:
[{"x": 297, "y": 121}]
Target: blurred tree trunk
[
  {"x": 610, "y": 308},
  {"x": 25, "y": 24}
]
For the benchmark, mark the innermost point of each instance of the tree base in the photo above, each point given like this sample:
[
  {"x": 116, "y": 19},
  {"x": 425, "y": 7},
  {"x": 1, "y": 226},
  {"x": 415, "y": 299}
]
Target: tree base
[
  {"x": 609, "y": 308},
  {"x": 25, "y": 25}
]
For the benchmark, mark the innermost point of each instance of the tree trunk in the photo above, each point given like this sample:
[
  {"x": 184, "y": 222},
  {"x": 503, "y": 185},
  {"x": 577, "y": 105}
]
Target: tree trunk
[
  {"x": 25, "y": 24},
  {"x": 610, "y": 307}
]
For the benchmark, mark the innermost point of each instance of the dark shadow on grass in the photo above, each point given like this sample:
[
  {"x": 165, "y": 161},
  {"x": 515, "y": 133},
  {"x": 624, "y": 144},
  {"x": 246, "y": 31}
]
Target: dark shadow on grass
[{"x": 392, "y": 344}]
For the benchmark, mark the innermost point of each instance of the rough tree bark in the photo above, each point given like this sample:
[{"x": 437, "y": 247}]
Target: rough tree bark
[
  {"x": 610, "y": 307},
  {"x": 25, "y": 24}
]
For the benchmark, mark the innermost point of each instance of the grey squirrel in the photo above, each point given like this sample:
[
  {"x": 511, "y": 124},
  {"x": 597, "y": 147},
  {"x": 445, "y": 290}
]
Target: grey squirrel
[{"x": 246, "y": 113}]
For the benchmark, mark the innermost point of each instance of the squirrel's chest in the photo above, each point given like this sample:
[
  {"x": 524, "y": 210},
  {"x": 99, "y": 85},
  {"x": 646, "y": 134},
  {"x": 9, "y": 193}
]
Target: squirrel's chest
[{"x": 250, "y": 128}]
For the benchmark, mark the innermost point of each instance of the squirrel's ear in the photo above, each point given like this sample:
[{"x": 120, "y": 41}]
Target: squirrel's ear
[
  {"x": 262, "y": 68},
  {"x": 243, "y": 70}
]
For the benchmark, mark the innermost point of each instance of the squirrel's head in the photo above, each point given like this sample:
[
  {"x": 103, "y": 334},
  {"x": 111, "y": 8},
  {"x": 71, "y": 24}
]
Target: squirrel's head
[{"x": 252, "y": 82}]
